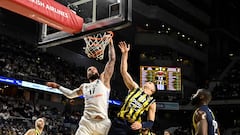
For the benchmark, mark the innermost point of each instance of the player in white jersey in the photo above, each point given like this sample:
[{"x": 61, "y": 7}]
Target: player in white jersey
[{"x": 95, "y": 119}]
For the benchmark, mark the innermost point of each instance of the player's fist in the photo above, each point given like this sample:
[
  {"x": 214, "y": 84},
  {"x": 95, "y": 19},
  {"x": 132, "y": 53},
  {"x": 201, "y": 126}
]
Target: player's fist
[{"x": 53, "y": 85}]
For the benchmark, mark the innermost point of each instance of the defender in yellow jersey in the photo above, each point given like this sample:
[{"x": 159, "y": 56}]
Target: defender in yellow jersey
[
  {"x": 139, "y": 100},
  {"x": 39, "y": 125}
]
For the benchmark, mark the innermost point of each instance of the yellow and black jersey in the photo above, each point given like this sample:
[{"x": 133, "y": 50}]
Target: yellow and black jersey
[
  {"x": 33, "y": 132},
  {"x": 37, "y": 132},
  {"x": 135, "y": 104},
  {"x": 146, "y": 133},
  {"x": 149, "y": 133}
]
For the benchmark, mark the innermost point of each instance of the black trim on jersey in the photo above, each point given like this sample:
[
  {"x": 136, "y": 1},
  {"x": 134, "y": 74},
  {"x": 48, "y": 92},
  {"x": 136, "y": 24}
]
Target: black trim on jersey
[
  {"x": 142, "y": 93},
  {"x": 126, "y": 103}
]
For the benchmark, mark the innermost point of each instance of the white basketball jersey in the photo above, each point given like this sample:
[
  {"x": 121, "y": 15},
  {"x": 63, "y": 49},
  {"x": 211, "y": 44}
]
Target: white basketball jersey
[{"x": 96, "y": 96}]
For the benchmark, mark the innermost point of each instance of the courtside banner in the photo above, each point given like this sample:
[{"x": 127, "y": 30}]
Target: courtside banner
[{"x": 46, "y": 11}]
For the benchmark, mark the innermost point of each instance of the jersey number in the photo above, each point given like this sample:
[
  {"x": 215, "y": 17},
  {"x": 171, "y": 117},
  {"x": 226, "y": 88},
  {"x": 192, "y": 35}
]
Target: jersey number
[
  {"x": 92, "y": 91},
  {"x": 215, "y": 126}
]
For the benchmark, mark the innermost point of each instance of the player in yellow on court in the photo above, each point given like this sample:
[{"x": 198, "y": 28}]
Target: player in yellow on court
[
  {"x": 39, "y": 125},
  {"x": 139, "y": 100},
  {"x": 95, "y": 120}
]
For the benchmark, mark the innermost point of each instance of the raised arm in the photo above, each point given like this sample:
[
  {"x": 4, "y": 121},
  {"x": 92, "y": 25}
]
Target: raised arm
[
  {"x": 109, "y": 67},
  {"x": 67, "y": 92},
  {"x": 124, "y": 66}
]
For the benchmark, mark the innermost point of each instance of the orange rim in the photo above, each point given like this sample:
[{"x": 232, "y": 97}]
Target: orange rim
[{"x": 110, "y": 35}]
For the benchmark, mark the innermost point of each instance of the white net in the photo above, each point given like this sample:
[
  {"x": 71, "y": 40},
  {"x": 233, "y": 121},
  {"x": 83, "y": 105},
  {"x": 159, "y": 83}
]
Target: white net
[{"x": 96, "y": 44}]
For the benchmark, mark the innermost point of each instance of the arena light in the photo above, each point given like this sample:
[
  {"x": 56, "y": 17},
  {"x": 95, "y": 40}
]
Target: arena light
[{"x": 230, "y": 54}]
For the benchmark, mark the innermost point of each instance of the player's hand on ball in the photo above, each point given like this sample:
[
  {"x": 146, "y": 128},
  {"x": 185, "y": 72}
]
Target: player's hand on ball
[{"x": 53, "y": 85}]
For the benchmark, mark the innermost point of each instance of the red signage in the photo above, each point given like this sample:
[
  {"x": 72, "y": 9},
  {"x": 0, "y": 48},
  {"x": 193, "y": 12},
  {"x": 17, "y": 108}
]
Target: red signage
[{"x": 48, "y": 12}]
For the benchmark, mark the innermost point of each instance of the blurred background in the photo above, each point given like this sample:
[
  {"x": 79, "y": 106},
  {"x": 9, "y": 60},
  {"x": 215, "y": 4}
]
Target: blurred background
[{"x": 201, "y": 38}]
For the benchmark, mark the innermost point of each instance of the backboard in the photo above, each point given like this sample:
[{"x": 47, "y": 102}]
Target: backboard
[{"x": 98, "y": 16}]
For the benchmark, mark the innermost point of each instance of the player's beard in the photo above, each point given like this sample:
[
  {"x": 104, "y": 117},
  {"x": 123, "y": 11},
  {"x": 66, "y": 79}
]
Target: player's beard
[
  {"x": 94, "y": 77},
  {"x": 195, "y": 101}
]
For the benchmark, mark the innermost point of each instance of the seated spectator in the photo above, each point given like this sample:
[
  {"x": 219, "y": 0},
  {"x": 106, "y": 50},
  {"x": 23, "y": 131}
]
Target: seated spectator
[{"x": 168, "y": 132}]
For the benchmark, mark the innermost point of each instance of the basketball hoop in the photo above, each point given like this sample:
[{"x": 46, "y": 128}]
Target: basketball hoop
[{"x": 96, "y": 44}]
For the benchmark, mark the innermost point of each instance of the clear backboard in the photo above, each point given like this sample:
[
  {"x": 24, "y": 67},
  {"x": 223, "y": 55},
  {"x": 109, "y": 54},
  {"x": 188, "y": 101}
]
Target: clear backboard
[{"x": 98, "y": 16}]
